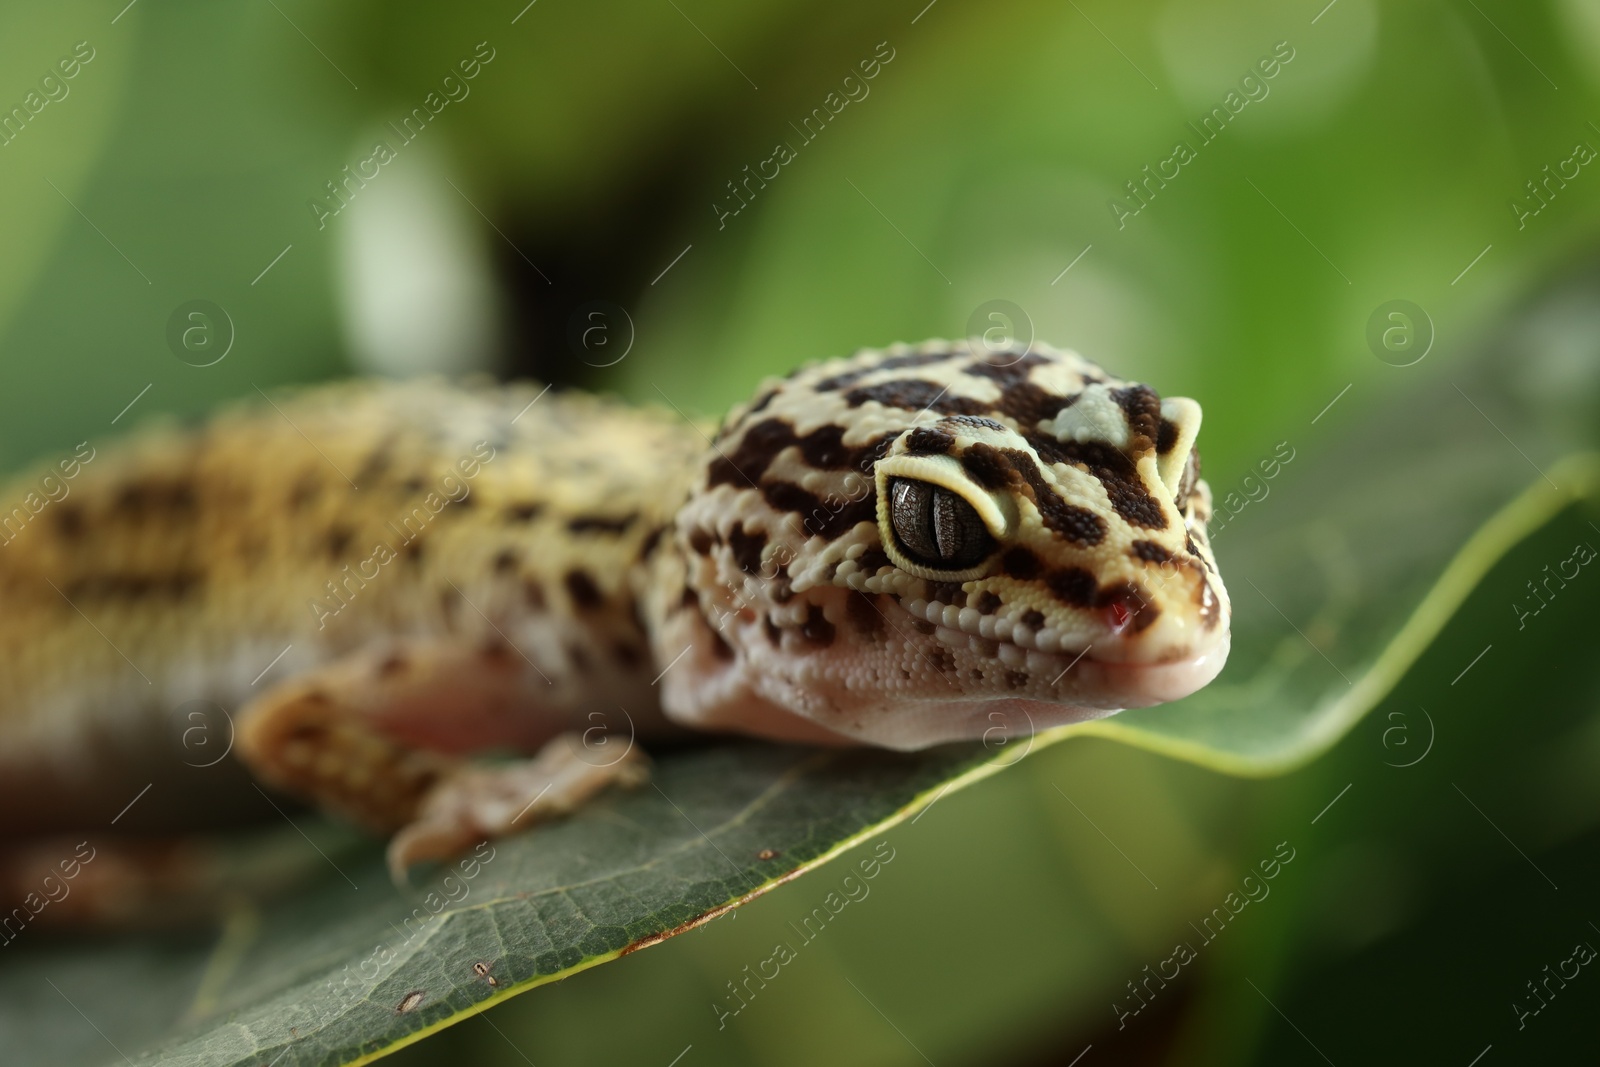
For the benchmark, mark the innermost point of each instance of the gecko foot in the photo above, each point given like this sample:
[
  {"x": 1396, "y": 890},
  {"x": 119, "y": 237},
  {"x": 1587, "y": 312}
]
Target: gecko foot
[{"x": 488, "y": 801}]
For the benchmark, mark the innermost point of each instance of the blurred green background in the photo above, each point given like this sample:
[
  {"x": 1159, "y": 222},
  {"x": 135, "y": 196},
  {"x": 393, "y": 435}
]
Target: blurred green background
[{"x": 585, "y": 168}]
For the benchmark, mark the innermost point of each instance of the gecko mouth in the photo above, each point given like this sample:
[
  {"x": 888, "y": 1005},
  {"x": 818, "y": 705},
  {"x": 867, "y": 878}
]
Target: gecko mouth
[{"x": 1118, "y": 672}]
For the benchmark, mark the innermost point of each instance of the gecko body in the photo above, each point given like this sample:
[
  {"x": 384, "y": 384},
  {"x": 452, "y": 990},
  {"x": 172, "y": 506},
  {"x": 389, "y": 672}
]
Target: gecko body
[{"x": 377, "y": 583}]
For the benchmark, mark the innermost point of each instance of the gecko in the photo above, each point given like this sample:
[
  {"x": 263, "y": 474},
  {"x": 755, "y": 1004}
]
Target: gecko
[{"x": 413, "y": 600}]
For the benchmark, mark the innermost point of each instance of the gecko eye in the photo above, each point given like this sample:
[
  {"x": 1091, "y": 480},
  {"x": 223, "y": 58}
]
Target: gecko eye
[{"x": 935, "y": 527}]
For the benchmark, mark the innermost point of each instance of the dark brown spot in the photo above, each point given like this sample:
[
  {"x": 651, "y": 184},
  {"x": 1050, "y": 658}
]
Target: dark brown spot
[
  {"x": 720, "y": 647},
  {"x": 915, "y": 359},
  {"x": 1073, "y": 585},
  {"x": 824, "y": 448},
  {"x": 1031, "y": 405},
  {"x": 69, "y": 521},
  {"x": 627, "y": 653},
  {"x": 1114, "y": 470},
  {"x": 496, "y": 654},
  {"x": 922, "y": 626},
  {"x": 1016, "y": 680},
  {"x": 688, "y": 598},
  {"x": 828, "y": 520},
  {"x": 987, "y": 603},
  {"x": 579, "y": 657},
  {"x": 929, "y": 442},
  {"x": 746, "y": 548},
  {"x": 944, "y": 661},
  {"x": 376, "y": 464},
  {"x": 140, "y": 500},
  {"x": 338, "y": 540},
  {"x": 582, "y": 590},
  {"x": 651, "y": 540},
  {"x": 701, "y": 540},
  {"x": 758, "y": 446},
  {"x": 412, "y": 552},
  {"x": 762, "y": 401},
  {"x": 391, "y": 666},
  {"x": 1005, "y": 370},
  {"x": 1033, "y": 619},
  {"x": 1076, "y": 524},
  {"x": 863, "y": 613},
  {"x": 817, "y": 629},
  {"x": 947, "y": 593},
  {"x": 524, "y": 512},
  {"x": 872, "y": 560},
  {"x": 774, "y": 635},
  {"x": 1020, "y": 563},
  {"x": 989, "y": 466},
  {"x": 615, "y": 525},
  {"x": 174, "y": 586},
  {"x": 1167, "y": 436},
  {"x": 304, "y": 490},
  {"x": 1151, "y": 552},
  {"x": 1142, "y": 407},
  {"x": 507, "y": 560},
  {"x": 916, "y": 394}
]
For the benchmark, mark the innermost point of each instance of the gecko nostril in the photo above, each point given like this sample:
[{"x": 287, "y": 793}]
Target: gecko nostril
[{"x": 1125, "y": 607}]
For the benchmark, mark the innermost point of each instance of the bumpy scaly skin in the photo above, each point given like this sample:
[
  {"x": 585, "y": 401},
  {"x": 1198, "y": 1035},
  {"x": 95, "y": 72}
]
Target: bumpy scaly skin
[
  {"x": 196, "y": 557},
  {"x": 559, "y": 558}
]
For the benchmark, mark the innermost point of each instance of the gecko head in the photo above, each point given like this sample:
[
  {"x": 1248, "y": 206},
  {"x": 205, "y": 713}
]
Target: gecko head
[{"x": 899, "y": 546}]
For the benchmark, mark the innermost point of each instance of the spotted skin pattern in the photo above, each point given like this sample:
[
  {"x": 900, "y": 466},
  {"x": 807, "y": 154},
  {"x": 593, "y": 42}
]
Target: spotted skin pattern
[
  {"x": 799, "y": 600},
  {"x": 453, "y": 570}
]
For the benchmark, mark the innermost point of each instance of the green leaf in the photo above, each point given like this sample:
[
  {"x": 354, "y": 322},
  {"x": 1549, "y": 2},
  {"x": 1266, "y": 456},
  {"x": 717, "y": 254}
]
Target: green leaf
[
  {"x": 1342, "y": 570},
  {"x": 351, "y": 969}
]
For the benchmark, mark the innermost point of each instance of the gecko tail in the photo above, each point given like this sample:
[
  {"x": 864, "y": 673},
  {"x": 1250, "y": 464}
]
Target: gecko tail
[{"x": 63, "y": 885}]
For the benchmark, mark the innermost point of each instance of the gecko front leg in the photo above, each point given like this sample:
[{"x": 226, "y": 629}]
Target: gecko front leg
[
  {"x": 475, "y": 802},
  {"x": 383, "y": 738}
]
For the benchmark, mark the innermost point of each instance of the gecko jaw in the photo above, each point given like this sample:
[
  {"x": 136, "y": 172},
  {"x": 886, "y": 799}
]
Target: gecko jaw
[
  {"x": 1023, "y": 642},
  {"x": 1105, "y": 682},
  {"x": 1147, "y": 684}
]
